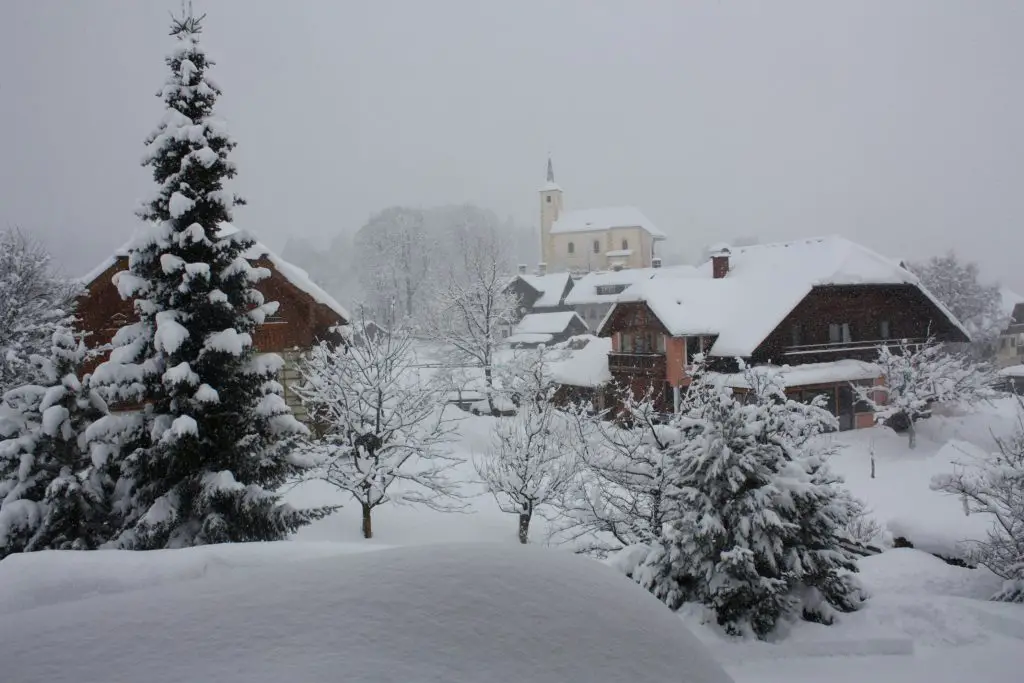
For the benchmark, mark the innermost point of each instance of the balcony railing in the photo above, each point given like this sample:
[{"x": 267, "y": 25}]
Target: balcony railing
[
  {"x": 647, "y": 364},
  {"x": 846, "y": 347}
]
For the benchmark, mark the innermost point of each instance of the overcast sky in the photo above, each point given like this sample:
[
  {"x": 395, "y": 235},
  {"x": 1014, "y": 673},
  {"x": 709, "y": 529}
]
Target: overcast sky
[{"x": 897, "y": 124}]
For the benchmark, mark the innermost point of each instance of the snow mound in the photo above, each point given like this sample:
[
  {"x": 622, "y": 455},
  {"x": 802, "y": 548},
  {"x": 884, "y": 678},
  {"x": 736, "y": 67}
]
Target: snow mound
[{"x": 444, "y": 613}]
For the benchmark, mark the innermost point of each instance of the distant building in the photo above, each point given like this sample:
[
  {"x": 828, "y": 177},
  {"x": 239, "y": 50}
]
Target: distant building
[
  {"x": 818, "y": 309},
  {"x": 1010, "y": 346},
  {"x": 593, "y": 239},
  {"x": 306, "y": 314},
  {"x": 546, "y": 328}
]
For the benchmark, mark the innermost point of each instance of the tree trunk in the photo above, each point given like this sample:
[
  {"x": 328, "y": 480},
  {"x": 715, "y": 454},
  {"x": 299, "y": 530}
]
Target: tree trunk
[
  {"x": 489, "y": 388},
  {"x": 367, "y": 522},
  {"x": 912, "y": 433},
  {"x": 524, "y": 527}
]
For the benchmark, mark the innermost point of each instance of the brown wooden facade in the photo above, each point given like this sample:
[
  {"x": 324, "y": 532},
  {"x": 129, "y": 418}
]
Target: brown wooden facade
[
  {"x": 299, "y": 323},
  {"x": 831, "y": 323}
]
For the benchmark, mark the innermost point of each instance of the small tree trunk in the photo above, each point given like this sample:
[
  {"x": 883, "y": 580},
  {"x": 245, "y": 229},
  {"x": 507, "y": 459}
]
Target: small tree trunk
[
  {"x": 489, "y": 388},
  {"x": 912, "y": 434},
  {"x": 524, "y": 527},
  {"x": 367, "y": 522}
]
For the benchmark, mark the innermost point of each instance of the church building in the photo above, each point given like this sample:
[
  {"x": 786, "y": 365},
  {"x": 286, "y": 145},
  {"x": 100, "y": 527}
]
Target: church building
[{"x": 585, "y": 240}]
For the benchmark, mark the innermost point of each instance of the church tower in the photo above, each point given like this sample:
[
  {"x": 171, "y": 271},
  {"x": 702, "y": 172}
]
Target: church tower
[{"x": 550, "y": 208}]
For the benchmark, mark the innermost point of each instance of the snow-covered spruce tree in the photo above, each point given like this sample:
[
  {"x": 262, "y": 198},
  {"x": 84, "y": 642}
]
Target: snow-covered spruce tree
[
  {"x": 995, "y": 486},
  {"x": 753, "y": 513},
  {"x": 531, "y": 461},
  {"x": 616, "y": 501},
  {"x": 915, "y": 377},
  {"x": 54, "y": 489},
  {"x": 382, "y": 434},
  {"x": 34, "y": 303},
  {"x": 475, "y": 305},
  {"x": 217, "y": 438}
]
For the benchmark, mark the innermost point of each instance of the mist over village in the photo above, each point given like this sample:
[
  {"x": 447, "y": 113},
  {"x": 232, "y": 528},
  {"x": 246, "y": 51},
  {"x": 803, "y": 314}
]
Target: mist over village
[{"x": 466, "y": 342}]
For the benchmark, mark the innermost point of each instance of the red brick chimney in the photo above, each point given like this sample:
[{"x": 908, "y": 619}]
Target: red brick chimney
[{"x": 720, "y": 262}]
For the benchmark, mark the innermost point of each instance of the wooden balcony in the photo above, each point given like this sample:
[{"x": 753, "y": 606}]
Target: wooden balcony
[
  {"x": 850, "y": 348},
  {"x": 643, "y": 364}
]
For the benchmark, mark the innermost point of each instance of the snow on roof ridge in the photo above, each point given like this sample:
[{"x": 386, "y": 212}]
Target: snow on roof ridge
[
  {"x": 291, "y": 272},
  {"x": 552, "y": 322},
  {"x": 604, "y": 218}
]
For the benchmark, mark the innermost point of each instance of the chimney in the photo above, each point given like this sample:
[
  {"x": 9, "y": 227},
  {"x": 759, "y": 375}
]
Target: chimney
[
  {"x": 719, "y": 261},
  {"x": 656, "y": 262},
  {"x": 542, "y": 269},
  {"x": 522, "y": 269}
]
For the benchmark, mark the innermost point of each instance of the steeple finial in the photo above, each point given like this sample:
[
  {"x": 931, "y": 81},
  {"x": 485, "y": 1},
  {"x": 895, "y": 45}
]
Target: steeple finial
[{"x": 551, "y": 171}]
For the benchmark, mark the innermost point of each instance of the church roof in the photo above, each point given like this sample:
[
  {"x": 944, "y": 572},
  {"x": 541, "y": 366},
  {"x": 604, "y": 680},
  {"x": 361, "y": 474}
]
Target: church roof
[{"x": 593, "y": 220}]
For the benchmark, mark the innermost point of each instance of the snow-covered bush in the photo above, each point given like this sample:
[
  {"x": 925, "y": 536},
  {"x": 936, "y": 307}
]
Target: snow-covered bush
[
  {"x": 616, "y": 501},
  {"x": 381, "y": 431},
  {"x": 202, "y": 460},
  {"x": 994, "y": 486},
  {"x": 54, "y": 488},
  {"x": 531, "y": 461},
  {"x": 34, "y": 302},
  {"x": 753, "y": 512},
  {"x": 915, "y": 377}
]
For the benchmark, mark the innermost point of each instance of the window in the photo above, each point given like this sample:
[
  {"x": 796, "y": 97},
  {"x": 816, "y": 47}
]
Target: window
[
  {"x": 572, "y": 248},
  {"x": 883, "y": 329},
  {"x": 839, "y": 333},
  {"x": 606, "y": 290},
  {"x": 797, "y": 335},
  {"x": 625, "y": 244},
  {"x": 694, "y": 345},
  {"x": 597, "y": 246},
  {"x": 548, "y": 199}
]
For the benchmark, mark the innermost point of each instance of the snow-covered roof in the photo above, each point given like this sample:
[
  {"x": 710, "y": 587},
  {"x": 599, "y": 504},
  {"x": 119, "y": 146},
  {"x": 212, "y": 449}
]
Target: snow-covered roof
[
  {"x": 592, "y": 220},
  {"x": 585, "y": 367},
  {"x": 1013, "y": 371},
  {"x": 550, "y": 186},
  {"x": 550, "y": 287},
  {"x": 529, "y": 338},
  {"x": 584, "y": 290},
  {"x": 545, "y": 323},
  {"x": 459, "y": 613},
  {"x": 295, "y": 275},
  {"x": 1010, "y": 299},
  {"x": 846, "y": 370},
  {"x": 764, "y": 283}
]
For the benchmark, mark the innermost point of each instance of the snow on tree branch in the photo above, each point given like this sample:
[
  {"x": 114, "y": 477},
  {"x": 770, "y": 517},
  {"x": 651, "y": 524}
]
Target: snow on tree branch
[{"x": 382, "y": 433}]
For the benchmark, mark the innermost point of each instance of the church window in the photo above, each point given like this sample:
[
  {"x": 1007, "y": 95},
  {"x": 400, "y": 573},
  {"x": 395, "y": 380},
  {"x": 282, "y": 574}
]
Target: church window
[
  {"x": 625, "y": 244},
  {"x": 548, "y": 199},
  {"x": 572, "y": 248},
  {"x": 597, "y": 247}
]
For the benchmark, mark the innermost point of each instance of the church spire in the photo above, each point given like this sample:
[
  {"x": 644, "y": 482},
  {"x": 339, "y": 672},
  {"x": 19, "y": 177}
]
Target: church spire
[{"x": 551, "y": 171}]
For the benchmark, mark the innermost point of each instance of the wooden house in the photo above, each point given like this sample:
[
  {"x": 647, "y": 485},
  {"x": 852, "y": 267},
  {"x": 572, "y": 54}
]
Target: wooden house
[
  {"x": 306, "y": 313},
  {"x": 819, "y": 309}
]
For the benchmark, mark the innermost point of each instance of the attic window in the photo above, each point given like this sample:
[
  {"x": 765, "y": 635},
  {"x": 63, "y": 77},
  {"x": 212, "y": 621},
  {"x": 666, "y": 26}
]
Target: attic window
[
  {"x": 839, "y": 333},
  {"x": 605, "y": 290},
  {"x": 883, "y": 329}
]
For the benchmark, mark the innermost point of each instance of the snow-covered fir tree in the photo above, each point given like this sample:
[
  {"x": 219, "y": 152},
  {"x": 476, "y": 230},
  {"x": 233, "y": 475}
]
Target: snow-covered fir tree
[
  {"x": 34, "y": 303},
  {"x": 994, "y": 486},
  {"x": 616, "y": 501},
  {"x": 216, "y": 438},
  {"x": 753, "y": 513},
  {"x": 531, "y": 461},
  {"x": 382, "y": 432},
  {"x": 914, "y": 377},
  {"x": 54, "y": 487}
]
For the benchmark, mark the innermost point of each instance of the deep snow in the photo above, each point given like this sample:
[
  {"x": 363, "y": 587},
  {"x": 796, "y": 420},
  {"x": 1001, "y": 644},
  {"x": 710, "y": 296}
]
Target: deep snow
[
  {"x": 927, "y": 621},
  {"x": 452, "y": 614}
]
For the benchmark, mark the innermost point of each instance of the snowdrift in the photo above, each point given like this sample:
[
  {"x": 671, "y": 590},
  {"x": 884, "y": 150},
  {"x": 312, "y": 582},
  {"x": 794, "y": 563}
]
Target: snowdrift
[{"x": 463, "y": 613}]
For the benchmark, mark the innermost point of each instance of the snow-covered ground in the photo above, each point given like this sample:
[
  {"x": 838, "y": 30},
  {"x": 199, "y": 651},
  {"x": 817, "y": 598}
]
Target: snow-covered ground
[{"x": 926, "y": 621}]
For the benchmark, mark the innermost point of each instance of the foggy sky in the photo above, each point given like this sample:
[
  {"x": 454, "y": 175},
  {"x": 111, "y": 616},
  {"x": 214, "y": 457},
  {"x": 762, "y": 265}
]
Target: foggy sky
[{"x": 897, "y": 124}]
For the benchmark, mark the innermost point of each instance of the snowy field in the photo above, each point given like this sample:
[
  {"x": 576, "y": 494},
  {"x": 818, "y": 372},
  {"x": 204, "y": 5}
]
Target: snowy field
[{"x": 926, "y": 621}]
